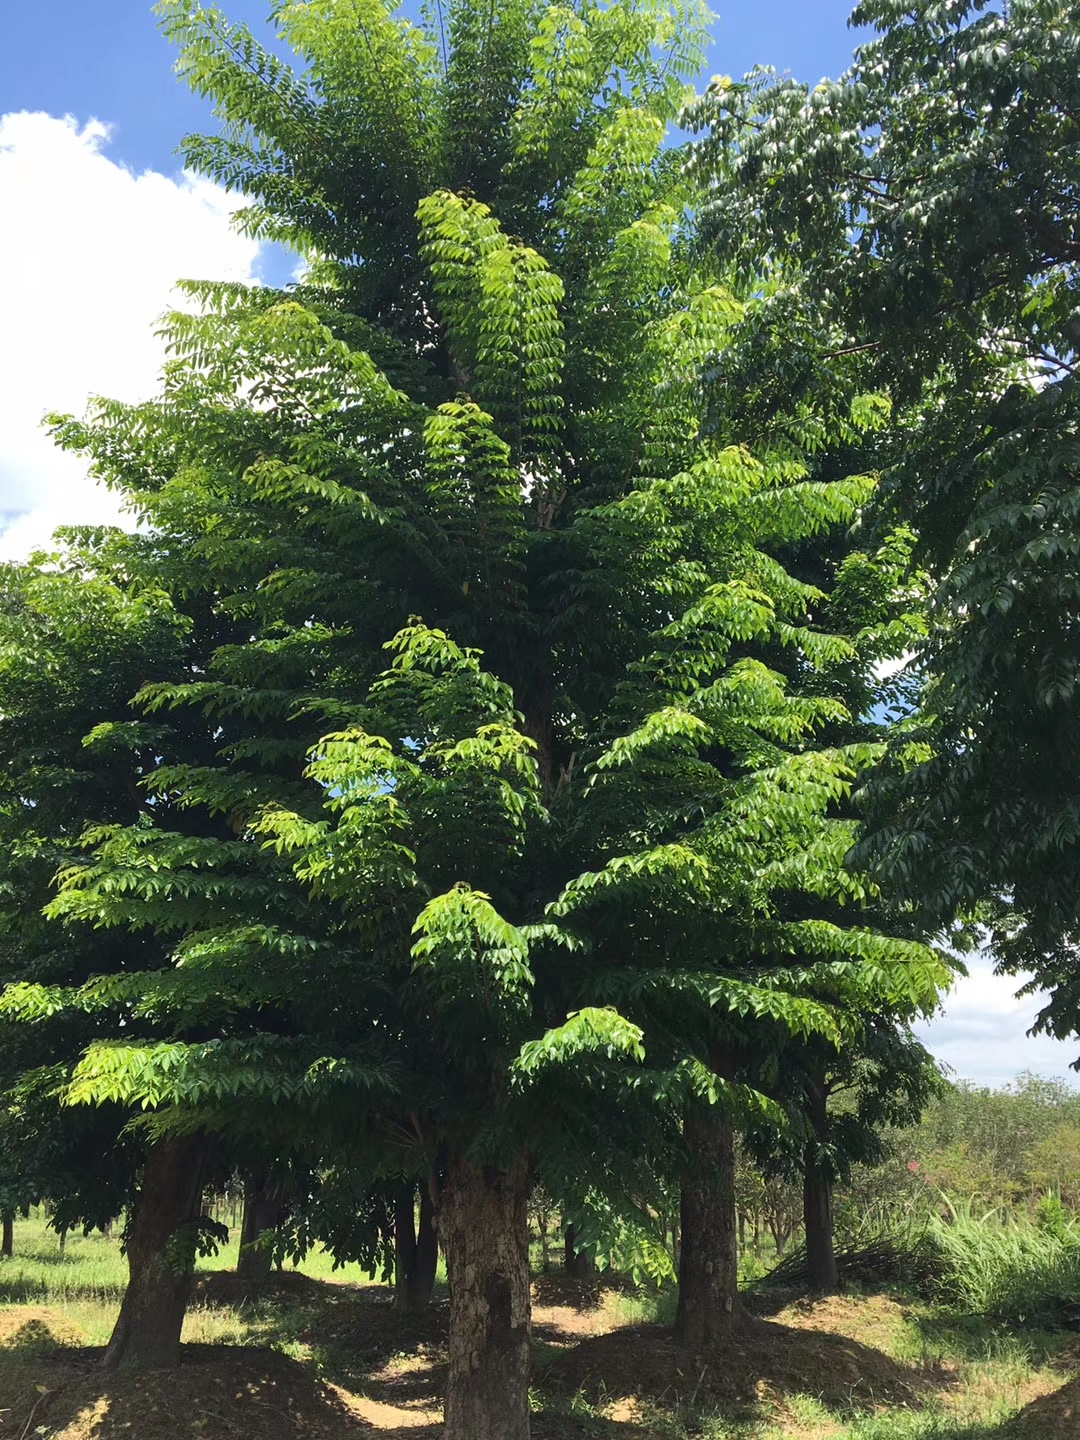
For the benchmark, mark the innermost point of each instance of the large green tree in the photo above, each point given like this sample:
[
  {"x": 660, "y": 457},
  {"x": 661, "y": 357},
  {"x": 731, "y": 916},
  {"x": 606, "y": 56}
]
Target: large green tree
[
  {"x": 505, "y": 762},
  {"x": 77, "y": 639}
]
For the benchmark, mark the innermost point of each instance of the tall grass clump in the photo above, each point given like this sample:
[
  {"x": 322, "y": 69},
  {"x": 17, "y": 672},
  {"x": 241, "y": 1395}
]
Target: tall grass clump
[
  {"x": 1006, "y": 1266},
  {"x": 885, "y": 1247}
]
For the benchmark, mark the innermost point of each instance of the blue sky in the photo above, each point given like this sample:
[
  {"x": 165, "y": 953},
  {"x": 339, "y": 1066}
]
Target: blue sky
[
  {"x": 98, "y": 222},
  {"x": 108, "y": 61}
]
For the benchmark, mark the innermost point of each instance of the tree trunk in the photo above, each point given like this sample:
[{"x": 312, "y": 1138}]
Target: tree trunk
[
  {"x": 263, "y": 1211},
  {"x": 818, "y": 1216},
  {"x": 147, "y": 1333},
  {"x": 7, "y": 1244},
  {"x": 416, "y": 1251},
  {"x": 578, "y": 1264},
  {"x": 427, "y": 1254},
  {"x": 709, "y": 1308},
  {"x": 484, "y": 1232},
  {"x": 545, "y": 1257},
  {"x": 404, "y": 1244}
]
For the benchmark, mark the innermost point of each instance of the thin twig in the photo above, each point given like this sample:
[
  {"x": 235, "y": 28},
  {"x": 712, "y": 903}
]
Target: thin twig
[
  {"x": 30, "y": 1418},
  {"x": 697, "y": 1387}
]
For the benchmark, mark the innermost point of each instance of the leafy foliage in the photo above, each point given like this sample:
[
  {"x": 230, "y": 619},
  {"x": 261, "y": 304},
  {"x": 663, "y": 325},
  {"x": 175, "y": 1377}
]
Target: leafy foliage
[
  {"x": 511, "y": 758},
  {"x": 927, "y": 203}
]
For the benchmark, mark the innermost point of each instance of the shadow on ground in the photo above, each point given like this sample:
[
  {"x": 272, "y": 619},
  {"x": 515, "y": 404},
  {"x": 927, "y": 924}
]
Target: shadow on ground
[
  {"x": 220, "y": 1391},
  {"x": 375, "y": 1373},
  {"x": 764, "y": 1359},
  {"x": 1052, "y": 1417},
  {"x": 360, "y": 1342}
]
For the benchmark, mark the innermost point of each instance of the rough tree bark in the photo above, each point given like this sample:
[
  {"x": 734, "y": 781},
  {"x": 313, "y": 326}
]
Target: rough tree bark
[
  {"x": 416, "y": 1247},
  {"x": 709, "y": 1308},
  {"x": 821, "y": 1264},
  {"x": 264, "y": 1204},
  {"x": 147, "y": 1332},
  {"x": 7, "y": 1244},
  {"x": 483, "y": 1229}
]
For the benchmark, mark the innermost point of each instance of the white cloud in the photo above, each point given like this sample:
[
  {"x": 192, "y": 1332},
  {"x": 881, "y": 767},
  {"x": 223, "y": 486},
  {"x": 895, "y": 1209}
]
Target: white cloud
[
  {"x": 982, "y": 1032},
  {"x": 886, "y": 669},
  {"x": 89, "y": 253}
]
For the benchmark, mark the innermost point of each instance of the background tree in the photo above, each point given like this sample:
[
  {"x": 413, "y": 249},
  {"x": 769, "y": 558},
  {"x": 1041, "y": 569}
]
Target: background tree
[
  {"x": 80, "y": 636},
  {"x": 844, "y": 1101},
  {"x": 74, "y": 647},
  {"x": 930, "y": 199}
]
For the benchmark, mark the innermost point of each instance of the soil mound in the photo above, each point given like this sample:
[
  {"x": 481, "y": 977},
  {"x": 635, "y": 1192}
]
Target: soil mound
[
  {"x": 874, "y": 1320},
  {"x": 765, "y": 1360},
  {"x": 219, "y": 1393},
  {"x": 36, "y": 1328},
  {"x": 563, "y": 1291},
  {"x": 364, "y": 1321},
  {"x": 1052, "y": 1417},
  {"x": 229, "y": 1290}
]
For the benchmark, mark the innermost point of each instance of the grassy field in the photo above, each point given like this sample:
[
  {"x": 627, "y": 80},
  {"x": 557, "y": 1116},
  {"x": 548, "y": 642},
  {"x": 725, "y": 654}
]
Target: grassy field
[
  {"x": 322, "y": 1356},
  {"x": 86, "y": 1281}
]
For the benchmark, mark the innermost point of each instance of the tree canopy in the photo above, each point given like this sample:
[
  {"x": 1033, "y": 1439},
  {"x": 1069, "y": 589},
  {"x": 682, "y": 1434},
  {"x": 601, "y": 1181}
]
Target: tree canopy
[
  {"x": 928, "y": 199},
  {"x": 455, "y": 773}
]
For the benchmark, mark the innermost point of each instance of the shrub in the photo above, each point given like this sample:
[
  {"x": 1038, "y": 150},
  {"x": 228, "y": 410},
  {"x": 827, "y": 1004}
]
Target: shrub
[{"x": 1002, "y": 1265}]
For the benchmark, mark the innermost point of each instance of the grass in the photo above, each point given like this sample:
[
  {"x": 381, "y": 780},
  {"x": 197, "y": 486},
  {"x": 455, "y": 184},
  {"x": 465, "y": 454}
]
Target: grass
[
  {"x": 978, "y": 1372},
  {"x": 650, "y": 1306},
  {"x": 1007, "y": 1266},
  {"x": 86, "y": 1281}
]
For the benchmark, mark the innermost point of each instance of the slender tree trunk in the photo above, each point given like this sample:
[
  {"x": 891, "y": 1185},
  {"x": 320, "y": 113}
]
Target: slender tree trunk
[
  {"x": 7, "y": 1244},
  {"x": 709, "y": 1309},
  {"x": 818, "y": 1204},
  {"x": 404, "y": 1244},
  {"x": 147, "y": 1332},
  {"x": 416, "y": 1251},
  {"x": 780, "y": 1233},
  {"x": 427, "y": 1253},
  {"x": 818, "y": 1212},
  {"x": 426, "y": 1249},
  {"x": 545, "y": 1257},
  {"x": 484, "y": 1232},
  {"x": 263, "y": 1211},
  {"x": 578, "y": 1263}
]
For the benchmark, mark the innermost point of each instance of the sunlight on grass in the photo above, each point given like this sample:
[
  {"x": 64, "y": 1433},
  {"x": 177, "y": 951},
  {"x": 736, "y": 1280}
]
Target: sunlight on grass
[
  {"x": 648, "y": 1307},
  {"x": 86, "y": 1282}
]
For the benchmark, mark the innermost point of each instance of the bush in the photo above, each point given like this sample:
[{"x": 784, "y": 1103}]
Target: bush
[
  {"x": 1004, "y": 1266},
  {"x": 1000, "y": 1264}
]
